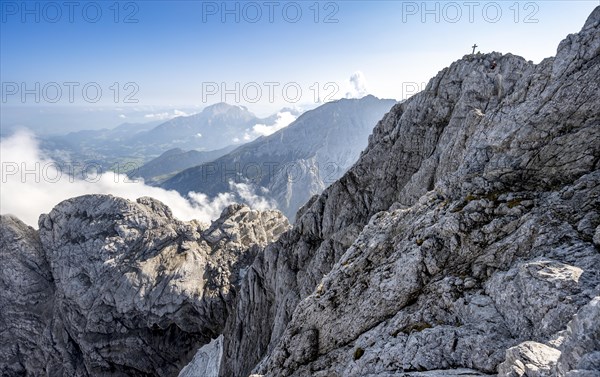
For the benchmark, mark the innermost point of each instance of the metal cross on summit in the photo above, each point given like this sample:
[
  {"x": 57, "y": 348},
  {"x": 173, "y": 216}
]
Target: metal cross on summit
[{"x": 474, "y": 47}]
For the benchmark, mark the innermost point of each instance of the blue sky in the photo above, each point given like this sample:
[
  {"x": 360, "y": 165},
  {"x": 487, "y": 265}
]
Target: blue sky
[{"x": 177, "y": 48}]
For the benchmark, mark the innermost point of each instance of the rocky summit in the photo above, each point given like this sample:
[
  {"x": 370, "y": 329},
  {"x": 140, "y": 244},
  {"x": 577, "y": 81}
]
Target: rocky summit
[
  {"x": 464, "y": 242},
  {"x": 111, "y": 287}
]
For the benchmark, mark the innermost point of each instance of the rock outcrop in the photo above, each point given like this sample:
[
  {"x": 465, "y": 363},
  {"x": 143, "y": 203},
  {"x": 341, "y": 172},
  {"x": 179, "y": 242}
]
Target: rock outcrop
[
  {"x": 26, "y": 299},
  {"x": 111, "y": 287},
  {"x": 207, "y": 361},
  {"x": 464, "y": 239}
]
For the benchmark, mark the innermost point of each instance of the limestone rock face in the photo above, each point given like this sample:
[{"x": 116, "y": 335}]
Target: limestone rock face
[
  {"x": 580, "y": 355},
  {"x": 464, "y": 239},
  {"x": 529, "y": 359},
  {"x": 26, "y": 298},
  {"x": 206, "y": 362},
  {"x": 125, "y": 288}
]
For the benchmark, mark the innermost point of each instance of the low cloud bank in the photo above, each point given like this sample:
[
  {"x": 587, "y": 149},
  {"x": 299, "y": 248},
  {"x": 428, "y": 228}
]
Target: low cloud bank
[{"x": 32, "y": 184}]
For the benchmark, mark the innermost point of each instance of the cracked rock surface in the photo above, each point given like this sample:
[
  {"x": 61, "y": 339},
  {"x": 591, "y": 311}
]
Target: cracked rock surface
[
  {"x": 112, "y": 287},
  {"x": 463, "y": 242}
]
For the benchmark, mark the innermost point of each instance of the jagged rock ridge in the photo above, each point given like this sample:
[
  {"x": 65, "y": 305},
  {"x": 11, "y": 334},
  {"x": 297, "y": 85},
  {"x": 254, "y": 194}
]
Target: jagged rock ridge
[
  {"x": 468, "y": 227},
  {"x": 112, "y": 287}
]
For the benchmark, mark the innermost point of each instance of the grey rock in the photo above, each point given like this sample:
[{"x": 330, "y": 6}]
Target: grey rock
[
  {"x": 129, "y": 289},
  {"x": 465, "y": 229},
  {"x": 206, "y": 362},
  {"x": 578, "y": 353},
  {"x": 529, "y": 359},
  {"x": 597, "y": 236},
  {"x": 463, "y": 372},
  {"x": 581, "y": 349},
  {"x": 26, "y": 297}
]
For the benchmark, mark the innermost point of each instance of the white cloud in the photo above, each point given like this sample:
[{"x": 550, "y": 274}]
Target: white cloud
[
  {"x": 358, "y": 85},
  {"x": 211, "y": 208},
  {"x": 45, "y": 183},
  {"x": 284, "y": 119},
  {"x": 240, "y": 193},
  {"x": 166, "y": 115},
  {"x": 179, "y": 113},
  {"x": 248, "y": 196},
  {"x": 122, "y": 116},
  {"x": 159, "y": 116}
]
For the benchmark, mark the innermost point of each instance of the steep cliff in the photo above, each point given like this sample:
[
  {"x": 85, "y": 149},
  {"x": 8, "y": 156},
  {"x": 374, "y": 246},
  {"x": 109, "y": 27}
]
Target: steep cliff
[{"x": 468, "y": 226}]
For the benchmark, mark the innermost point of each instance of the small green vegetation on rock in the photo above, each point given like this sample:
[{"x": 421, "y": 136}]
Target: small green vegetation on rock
[
  {"x": 358, "y": 353},
  {"x": 417, "y": 327},
  {"x": 513, "y": 203}
]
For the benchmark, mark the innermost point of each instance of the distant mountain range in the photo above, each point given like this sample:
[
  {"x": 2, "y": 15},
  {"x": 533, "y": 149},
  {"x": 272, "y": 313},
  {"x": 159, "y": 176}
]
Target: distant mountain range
[
  {"x": 216, "y": 127},
  {"x": 295, "y": 162},
  {"x": 173, "y": 161}
]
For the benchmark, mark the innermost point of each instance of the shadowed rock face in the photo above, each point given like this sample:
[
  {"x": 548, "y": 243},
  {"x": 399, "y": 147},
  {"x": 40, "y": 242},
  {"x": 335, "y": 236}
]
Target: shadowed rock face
[
  {"x": 26, "y": 298},
  {"x": 112, "y": 287},
  {"x": 468, "y": 226}
]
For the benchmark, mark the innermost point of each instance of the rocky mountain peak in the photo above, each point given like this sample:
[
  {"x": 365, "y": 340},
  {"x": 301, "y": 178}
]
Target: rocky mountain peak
[
  {"x": 440, "y": 248},
  {"x": 593, "y": 19},
  {"x": 222, "y": 108},
  {"x": 125, "y": 287}
]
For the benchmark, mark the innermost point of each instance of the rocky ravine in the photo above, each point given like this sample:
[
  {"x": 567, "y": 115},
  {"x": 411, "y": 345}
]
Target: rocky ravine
[
  {"x": 111, "y": 287},
  {"x": 464, "y": 242}
]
